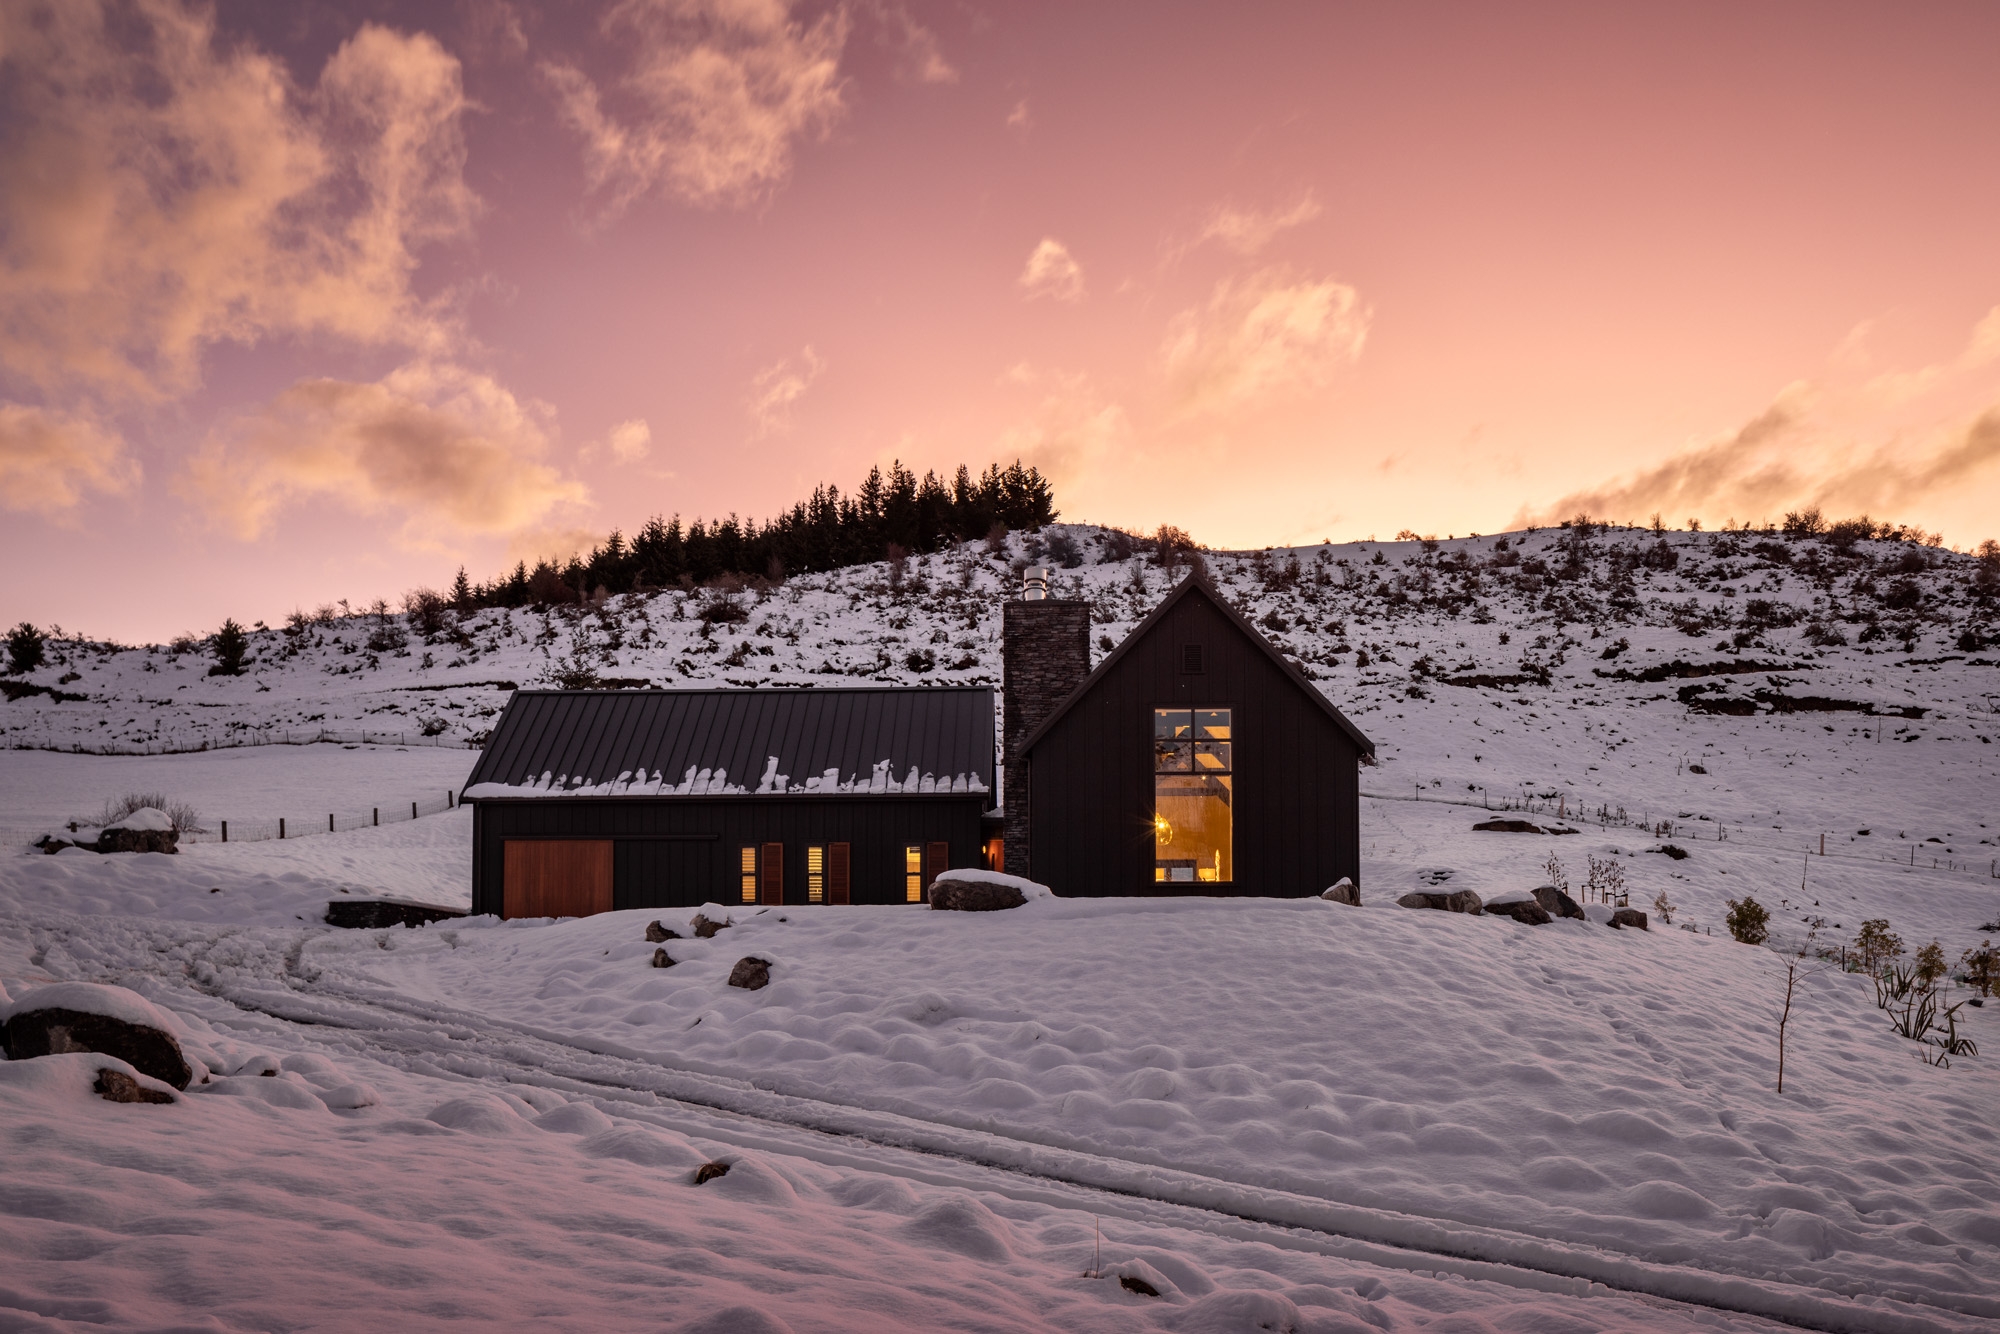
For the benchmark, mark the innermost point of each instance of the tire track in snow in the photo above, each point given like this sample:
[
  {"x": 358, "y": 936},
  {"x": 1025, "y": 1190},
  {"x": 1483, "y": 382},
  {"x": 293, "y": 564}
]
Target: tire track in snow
[{"x": 436, "y": 1040}]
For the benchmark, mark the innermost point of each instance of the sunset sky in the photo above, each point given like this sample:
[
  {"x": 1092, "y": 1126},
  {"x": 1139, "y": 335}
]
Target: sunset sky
[{"x": 320, "y": 300}]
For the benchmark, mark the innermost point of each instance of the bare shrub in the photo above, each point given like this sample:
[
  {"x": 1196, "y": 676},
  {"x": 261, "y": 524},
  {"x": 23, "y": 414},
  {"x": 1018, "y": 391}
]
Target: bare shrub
[
  {"x": 426, "y": 609},
  {"x": 186, "y": 819}
]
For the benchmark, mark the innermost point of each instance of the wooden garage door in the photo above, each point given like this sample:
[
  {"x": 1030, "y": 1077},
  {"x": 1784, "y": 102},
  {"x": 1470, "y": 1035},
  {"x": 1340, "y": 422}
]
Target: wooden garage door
[{"x": 556, "y": 877}]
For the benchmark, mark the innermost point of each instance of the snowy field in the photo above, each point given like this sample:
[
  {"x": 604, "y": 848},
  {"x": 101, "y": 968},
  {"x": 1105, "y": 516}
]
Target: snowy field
[
  {"x": 1275, "y": 1115},
  {"x": 250, "y": 786}
]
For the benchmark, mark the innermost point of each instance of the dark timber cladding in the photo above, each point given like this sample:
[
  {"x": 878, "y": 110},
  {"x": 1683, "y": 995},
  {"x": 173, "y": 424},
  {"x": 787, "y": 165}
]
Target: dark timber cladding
[
  {"x": 1194, "y": 696},
  {"x": 583, "y": 800}
]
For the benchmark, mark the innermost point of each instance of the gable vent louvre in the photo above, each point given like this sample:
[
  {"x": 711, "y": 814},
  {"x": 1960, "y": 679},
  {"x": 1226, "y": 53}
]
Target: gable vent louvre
[{"x": 1191, "y": 659}]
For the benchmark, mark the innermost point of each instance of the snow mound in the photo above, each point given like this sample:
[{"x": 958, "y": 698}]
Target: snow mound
[
  {"x": 147, "y": 819},
  {"x": 1030, "y": 889},
  {"x": 91, "y": 998}
]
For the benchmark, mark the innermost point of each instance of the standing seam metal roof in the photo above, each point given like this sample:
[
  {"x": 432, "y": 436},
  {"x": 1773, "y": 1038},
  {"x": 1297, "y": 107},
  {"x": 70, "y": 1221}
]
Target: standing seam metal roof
[{"x": 594, "y": 736}]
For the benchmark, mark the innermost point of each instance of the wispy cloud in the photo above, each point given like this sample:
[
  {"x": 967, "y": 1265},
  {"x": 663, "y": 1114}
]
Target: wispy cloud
[
  {"x": 1852, "y": 442},
  {"x": 1020, "y": 118},
  {"x": 1072, "y": 428},
  {"x": 777, "y": 388},
  {"x": 919, "y": 57},
  {"x": 1248, "y": 230},
  {"x": 160, "y": 193},
  {"x": 712, "y": 97},
  {"x": 1053, "y": 272},
  {"x": 49, "y": 459},
  {"x": 436, "y": 444},
  {"x": 1262, "y": 337},
  {"x": 631, "y": 441}
]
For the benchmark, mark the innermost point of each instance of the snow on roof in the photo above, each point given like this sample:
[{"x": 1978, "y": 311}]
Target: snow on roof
[
  {"x": 615, "y": 743},
  {"x": 701, "y": 781}
]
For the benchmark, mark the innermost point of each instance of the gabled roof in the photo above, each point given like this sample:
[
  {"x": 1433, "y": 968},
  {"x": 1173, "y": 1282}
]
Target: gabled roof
[
  {"x": 1198, "y": 579},
  {"x": 700, "y": 742}
]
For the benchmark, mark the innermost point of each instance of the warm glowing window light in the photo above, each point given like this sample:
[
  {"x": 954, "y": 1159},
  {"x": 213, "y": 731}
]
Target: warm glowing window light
[
  {"x": 913, "y": 873},
  {"x": 1193, "y": 792},
  {"x": 749, "y": 873},
  {"x": 815, "y": 874}
]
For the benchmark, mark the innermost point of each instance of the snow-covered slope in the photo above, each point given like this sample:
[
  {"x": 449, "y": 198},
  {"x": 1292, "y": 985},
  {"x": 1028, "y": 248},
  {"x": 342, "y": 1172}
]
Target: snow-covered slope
[
  {"x": 1537, "y": 667},
  {"x": 1282, "y": 1115}
]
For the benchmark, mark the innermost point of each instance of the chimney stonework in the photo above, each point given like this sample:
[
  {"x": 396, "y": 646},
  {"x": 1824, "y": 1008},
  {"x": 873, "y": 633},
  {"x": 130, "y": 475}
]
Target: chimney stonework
[{"x": 1044, "y": 655}]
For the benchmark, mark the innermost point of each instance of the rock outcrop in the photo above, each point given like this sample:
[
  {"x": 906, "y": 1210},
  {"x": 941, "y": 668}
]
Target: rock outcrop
[
  {"x": 1463, "y": 900},
  {"x": 751, "y": 973}
]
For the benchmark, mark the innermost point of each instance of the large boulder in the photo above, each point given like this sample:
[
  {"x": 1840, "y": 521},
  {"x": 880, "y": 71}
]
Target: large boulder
[
  {"x": 1624, "y": 917},
  {"x": 82, "y": 1016},
  {"x": 148, "y": 829},
  {"x": 1342, "y": 891},
  {"x": 705, "y": 926},
  {"x": 982, "y": 891},
  {"x": 1463, "y": 900},
  {"x": 1519, "y": 904},
  {"x": 1558, "y": 904},
  {"x": 751, "y": 973},
  {"x": 656, "y": 933}
]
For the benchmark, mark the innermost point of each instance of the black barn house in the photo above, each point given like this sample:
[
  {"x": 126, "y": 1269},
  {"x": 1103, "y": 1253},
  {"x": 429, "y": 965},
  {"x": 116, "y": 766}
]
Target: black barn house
[
  {"x": 1194, "y": 760},
  {"x": 588, "y": 801}
]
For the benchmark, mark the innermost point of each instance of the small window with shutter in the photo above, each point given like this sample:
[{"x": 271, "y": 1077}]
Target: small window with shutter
[{"x": 1191, "y": 660}]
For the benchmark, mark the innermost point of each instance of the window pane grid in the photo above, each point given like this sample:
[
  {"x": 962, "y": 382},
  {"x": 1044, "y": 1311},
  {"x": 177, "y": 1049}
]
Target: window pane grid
[
  {"x": 1193, "y": 796},
  {"x": 816, "y": 874},
  {"x": 913, "y": 873},
  {"x": 747, "y": 870}
]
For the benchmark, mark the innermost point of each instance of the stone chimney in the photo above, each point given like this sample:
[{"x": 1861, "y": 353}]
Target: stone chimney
[{"x": 1044, "y": 654}]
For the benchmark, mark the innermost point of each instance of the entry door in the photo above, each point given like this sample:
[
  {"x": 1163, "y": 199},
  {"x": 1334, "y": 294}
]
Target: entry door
[{"x": 555, "y": 877}]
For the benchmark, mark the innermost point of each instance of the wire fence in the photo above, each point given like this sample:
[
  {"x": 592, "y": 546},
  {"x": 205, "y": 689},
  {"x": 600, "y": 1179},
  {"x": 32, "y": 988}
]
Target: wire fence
[
  {"x": 334, "y": 822},
  {"x": 168, "y": 745},
  {"x": 1607, "y": 816},
  {"x": 284, "y": 826}
]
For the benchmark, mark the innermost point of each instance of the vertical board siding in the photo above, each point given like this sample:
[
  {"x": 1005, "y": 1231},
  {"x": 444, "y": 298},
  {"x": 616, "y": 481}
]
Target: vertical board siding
[
  {"x": 1296, "y": 814},
  {"x": 677, "y": 852}
]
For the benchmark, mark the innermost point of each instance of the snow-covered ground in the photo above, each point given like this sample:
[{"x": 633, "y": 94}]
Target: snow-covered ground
[{"x": 1280, "y": 1115}]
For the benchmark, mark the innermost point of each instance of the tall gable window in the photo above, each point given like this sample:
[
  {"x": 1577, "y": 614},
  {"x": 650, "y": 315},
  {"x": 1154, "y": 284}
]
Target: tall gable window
[{"x": 1193, "y": 796}]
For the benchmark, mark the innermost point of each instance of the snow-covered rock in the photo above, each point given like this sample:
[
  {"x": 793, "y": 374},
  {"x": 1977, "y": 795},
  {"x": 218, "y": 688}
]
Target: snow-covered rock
[{"x": 87, "y": 1017}]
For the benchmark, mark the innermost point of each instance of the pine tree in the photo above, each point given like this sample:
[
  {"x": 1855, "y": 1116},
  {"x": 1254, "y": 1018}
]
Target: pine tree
[
  {"x": 461, "y": 592},
  {"x": 24, "y": 648},
  {"x": 230, "y": 645}
]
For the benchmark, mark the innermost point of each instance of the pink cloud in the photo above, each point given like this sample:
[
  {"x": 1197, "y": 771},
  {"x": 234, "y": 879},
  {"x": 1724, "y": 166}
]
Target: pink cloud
[
  {"x": 437, "y": 446},
  {"x": 712, "y": 96},
  {"x": 164, "y": 192},
  {"x": 49, "y": 459}
]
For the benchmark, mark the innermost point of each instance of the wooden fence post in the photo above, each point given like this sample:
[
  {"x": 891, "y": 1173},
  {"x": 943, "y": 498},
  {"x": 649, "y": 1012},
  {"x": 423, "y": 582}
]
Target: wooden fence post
[
  {"x": 281, "y": 826},
  {"x": 225, "y": 831}
]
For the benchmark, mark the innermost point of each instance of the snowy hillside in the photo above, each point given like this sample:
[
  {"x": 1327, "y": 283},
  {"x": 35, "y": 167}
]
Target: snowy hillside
[
  {"x": 1279, "y": 1115},
  {"x": 1729, "y": 679}
]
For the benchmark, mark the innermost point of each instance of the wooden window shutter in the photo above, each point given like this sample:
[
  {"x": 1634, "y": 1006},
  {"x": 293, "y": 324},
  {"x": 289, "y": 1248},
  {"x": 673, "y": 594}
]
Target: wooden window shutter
[
  {"x": 836, "y": 873},
  {"x": 937, "y": 860},
  {"x": 771, "y": 884}
]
